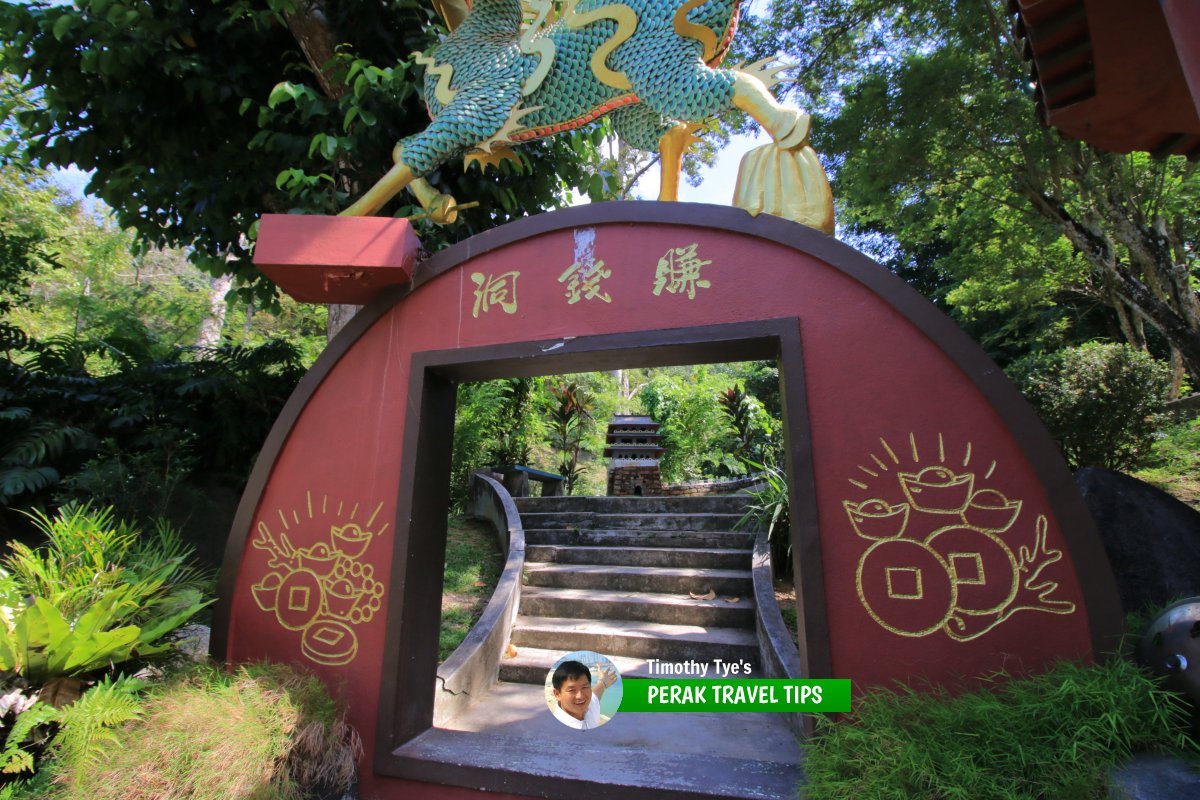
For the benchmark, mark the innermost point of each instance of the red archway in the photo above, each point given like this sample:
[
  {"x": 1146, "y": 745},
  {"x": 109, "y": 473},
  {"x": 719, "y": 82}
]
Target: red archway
[{"x": 937, "y": 532}]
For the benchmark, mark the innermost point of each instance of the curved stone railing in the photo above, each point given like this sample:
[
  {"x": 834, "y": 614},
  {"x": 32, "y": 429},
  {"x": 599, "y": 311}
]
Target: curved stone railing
[
  {"x": 473, "y": 667},
  {"x": 718, "y": 486},
  {"x": 777, "y": 652}
]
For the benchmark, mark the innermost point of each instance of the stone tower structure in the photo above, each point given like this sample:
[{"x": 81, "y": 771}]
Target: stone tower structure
[{"x": 634, "y": 447}]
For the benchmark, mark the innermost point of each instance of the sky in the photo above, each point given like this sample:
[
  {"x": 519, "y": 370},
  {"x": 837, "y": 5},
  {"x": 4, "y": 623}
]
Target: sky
[{"x": 717, "y": 181}]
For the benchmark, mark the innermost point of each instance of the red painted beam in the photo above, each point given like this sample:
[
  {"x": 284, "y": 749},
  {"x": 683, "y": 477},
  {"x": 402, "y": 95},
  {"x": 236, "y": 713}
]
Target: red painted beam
[
  {"x": 335, "y": 259},
  {"x": 1116, "y": 73},
  {"x": 1183, "y": 20}
]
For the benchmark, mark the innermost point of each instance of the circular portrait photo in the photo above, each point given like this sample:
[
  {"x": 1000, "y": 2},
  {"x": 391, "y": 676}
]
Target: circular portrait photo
[{"x": 583, "y": 690}]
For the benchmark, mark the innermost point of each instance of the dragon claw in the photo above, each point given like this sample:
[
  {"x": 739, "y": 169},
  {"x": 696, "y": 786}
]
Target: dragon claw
[{"x": 496, "y": 155}]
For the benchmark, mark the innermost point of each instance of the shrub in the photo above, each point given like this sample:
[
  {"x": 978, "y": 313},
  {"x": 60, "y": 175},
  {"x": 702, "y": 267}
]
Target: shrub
[
  {"x": 1099, "y": 401},
  {"x": 769, "y": 510},
  {"x": 97, "y": 595},
  {"x": 1049, "y": 737},
  {"x": 265, "y": 731}
]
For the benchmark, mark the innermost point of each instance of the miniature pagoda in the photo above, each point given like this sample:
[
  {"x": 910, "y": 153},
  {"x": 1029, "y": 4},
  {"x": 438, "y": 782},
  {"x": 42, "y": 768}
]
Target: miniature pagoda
[{"x": 634, "y": 450}]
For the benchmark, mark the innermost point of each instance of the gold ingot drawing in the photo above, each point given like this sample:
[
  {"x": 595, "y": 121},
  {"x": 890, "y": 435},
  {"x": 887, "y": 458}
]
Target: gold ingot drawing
[
  {"x": 323, "y": 589},
  {"x": 351, "y": 540},
  {"x": 991, "y": 511},
  {"x": 962, "y": 578},
  {"x": 319, "y": 559},
  {"x": 266, "y": 591},
  {"x": 937, "y": 490},
  {"x": 875, "y": 519}
]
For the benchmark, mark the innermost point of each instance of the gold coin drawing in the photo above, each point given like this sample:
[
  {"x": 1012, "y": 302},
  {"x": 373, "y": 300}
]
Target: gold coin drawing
[{"x": 938, "y": 558}]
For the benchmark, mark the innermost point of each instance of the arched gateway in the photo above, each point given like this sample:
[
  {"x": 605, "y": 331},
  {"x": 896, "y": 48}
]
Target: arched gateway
[{"x": 937, "y": 533}]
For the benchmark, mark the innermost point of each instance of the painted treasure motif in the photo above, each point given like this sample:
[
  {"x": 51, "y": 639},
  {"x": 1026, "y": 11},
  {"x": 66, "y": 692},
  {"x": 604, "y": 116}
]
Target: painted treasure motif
[
  {"x": 318, "y": 583},
  {"x": 947, "y": 553}
]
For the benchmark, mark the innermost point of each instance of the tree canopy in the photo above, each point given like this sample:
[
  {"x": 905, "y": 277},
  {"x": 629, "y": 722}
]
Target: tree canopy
[
  {"x": 924, "y": 112},
  {"x": 198, "y": 117}
]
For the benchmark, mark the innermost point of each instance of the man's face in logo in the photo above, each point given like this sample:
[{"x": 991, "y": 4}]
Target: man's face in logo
[{"x": 574, "y": 696}]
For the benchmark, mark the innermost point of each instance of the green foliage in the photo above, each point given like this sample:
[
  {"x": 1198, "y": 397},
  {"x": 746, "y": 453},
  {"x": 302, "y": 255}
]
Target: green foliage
[
  {"x": 1049, "y": 737},
  {"x": 769, "y": 510},
  {"x": 926, "y": 117},
  {"x": 1100, "y": 401},
  {"x": 696, "y": 432},
  {"x": 232, "y": 121},
  {"x": 1174, "y": 462},
  {"x": 129, "y": 434},
  {"x": 570, "y": 417},
  {"x": 264, "y": 731},
  {"x": 496, "y": 423},
  {"x": 87, "y": 726},
  {"x": 99, "y": 401},
  {"x": 753, "y": 428},
  {"x": 27, "y": 733},
  {"x": 97, "y": 595},
  {"x": 473, "y": 565}
]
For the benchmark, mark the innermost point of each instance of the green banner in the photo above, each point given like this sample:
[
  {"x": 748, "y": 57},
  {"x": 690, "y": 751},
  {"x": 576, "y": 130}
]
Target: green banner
[{"x": 761, "y": 694}]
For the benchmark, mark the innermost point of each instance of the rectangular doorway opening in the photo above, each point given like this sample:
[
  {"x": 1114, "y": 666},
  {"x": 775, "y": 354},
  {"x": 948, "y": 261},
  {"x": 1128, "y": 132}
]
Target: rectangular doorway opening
[{"x": 408, "y": 744}]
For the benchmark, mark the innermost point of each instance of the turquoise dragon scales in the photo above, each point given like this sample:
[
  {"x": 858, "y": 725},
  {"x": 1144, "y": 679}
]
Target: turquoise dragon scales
[{"x": 651, "y": 65}]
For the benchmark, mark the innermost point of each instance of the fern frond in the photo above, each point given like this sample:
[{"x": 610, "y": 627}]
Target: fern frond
[
  {"x": 14, "y": 758},
  {"x": 86, "y": 734}
]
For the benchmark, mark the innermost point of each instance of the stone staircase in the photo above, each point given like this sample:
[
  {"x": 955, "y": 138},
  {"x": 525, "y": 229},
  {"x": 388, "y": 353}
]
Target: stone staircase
[{"x": 617, "y": 575}]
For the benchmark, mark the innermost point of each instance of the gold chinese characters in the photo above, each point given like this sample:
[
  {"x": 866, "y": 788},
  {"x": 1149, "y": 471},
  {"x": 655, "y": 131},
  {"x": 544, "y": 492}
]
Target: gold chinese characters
[{"x": 680, "y": 271}]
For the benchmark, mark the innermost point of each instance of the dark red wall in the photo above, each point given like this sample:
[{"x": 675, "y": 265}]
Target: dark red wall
[{"x": 883, "y": 398}]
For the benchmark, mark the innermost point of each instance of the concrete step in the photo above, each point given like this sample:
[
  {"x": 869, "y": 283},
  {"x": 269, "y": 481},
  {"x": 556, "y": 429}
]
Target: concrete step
[
  {"x": 723, "y": 504},
  {"x": 533, "y": 664},
  {"x": 738, "y": 540},
  {"x": 679, "y": 609},
  {"x": 630, "y": 522},
  {"x": 719, "y": 558},
  {"x": 638, "y": 759},
  {"x": 659, "y": 640},
  {"x": 668, "y": 580}
]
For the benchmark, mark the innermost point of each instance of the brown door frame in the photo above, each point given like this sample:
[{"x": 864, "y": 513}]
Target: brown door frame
[{"x": 413, "y": 620}]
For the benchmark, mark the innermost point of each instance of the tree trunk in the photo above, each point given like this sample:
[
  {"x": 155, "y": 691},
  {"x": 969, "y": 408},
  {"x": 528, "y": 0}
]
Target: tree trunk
[
  {"x": 214, "y": 321},
  {"x": 1178, "y": 372},
  {"x": 84, "y": 291},
  {"x": 1174, "y": 316},
  {"x": 339, "y": 315},
  {"x": 311, "y": 30}
]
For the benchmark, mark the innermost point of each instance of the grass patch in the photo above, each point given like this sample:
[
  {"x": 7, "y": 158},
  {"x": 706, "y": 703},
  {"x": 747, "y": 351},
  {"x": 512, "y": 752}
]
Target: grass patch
[
  {"x": 1174, "y": 465},
  {"x": 265, "y": 731},
  {"x": 1049, "y": 737},
  {"x": 785, "y": 596},
  {"x": 473, "y": 565}
]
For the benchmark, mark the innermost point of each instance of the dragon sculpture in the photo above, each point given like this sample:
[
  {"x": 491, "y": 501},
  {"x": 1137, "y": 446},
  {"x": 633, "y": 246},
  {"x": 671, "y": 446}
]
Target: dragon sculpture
[{"x": 501, "y": 78}]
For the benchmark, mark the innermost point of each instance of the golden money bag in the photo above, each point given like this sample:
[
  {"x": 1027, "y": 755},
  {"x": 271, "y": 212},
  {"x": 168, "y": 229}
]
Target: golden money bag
[{"x": 786, "y": 183}]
